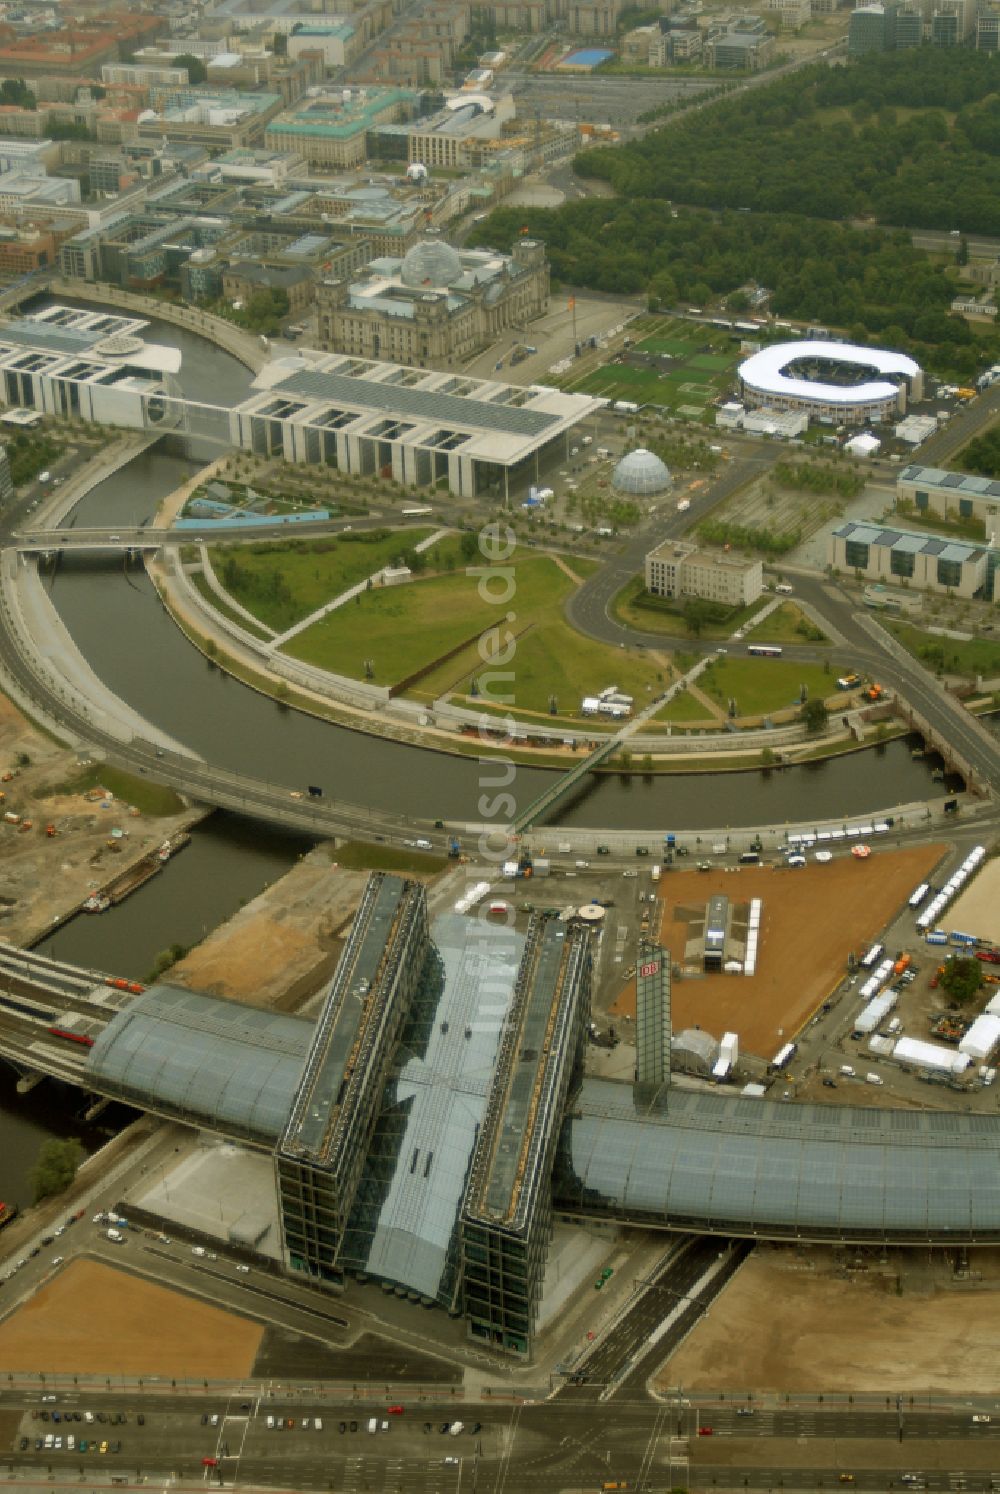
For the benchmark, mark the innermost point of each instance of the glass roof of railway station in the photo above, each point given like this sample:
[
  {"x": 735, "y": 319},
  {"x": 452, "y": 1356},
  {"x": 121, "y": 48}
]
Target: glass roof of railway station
[
  {"x": 747, "y": 1166},
  {"x": 211, "y": 1062},
  {"x": 708, "y": 1161},
  {"x": 404, "y": 1221}
]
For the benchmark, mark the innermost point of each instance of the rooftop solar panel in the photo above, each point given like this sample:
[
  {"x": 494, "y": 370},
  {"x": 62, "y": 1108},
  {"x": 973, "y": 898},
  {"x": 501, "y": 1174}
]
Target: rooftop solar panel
[
  {"x": 56, "y": 339},
  {"x": 444, "y": 409}
]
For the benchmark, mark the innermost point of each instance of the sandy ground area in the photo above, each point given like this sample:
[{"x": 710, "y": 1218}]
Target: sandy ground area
[
  {"x": 43, "y": 879},
  {"x": 283, "y": 945},
  {"x": 813, "y": 916},
  {"x": 92, "y": 1319},
  {"x": 977, "y": 911},
  {"x": 781, "y": 1326}
]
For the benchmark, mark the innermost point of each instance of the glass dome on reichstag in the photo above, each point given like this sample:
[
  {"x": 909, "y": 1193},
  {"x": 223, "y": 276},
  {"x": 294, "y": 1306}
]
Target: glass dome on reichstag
[
  {"x": 641, "y": 472},
  {"x": 431, "y": 262}
]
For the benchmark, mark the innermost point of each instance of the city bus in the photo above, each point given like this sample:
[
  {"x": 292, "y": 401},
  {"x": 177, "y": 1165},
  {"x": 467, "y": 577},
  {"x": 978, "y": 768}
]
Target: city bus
[
  {"x": 764, "y": 650},
  {"x": 416, "y": 513}
]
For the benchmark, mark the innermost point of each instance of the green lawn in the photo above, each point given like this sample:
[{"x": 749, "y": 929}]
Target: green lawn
[
  {"x": 283, "y": 583},
  {"x": 781, "y": 626},
  {"x": 713, "y": 362},
  {"x": 361, "y": 855},
  {"x": 685, "y": 708},
  {"x": 761, "y": 686},
  {"x": 408, "y": 626},
  {"x": 212, "y": 599},
  {"x": 553, "y": 660},
  {"x": 674, "y": 347},
  {"x": 977, "y": 656}
]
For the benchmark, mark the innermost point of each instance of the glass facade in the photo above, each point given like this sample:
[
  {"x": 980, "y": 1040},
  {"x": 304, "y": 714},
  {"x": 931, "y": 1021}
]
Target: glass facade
[
  {"x": 652, "y": 1018},
  {"x": 901, "y": 562},
  {"x": 856, "y": 554},
  {"x": 325, "y": 1142},
  {"x": 949, "y": 573},
  {"x": 403, "y": 1227},
  {"x": 506, "y": 1221},
  {"x": 203, "y": 1060}
]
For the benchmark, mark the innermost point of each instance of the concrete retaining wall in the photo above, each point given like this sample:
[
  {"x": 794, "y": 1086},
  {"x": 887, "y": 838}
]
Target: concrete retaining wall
[{"x": 242, "y": 345}]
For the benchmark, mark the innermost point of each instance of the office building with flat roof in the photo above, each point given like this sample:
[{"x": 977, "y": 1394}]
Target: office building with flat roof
[
  {"x": 950, "y": 495},
  {"x": 481, "y": 436},
  {"x": 331, "y": 129},
  {"x": 507, "y": 1213},
  {"x": 677, "y": 568},
  {"x": 925, "y": 562},
  {"x": 872, "y": 28}
]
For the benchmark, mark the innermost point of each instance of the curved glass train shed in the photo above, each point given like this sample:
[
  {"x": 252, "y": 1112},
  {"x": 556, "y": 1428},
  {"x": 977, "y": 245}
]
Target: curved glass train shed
[
  {"x": 705, "y": 1162},
  {"x": 734, "y": 1166},
  {"x": 204, "y": 1060}
]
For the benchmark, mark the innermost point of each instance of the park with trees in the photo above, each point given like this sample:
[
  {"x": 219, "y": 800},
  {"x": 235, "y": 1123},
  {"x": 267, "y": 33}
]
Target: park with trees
[{"x": 908, "y": 138}]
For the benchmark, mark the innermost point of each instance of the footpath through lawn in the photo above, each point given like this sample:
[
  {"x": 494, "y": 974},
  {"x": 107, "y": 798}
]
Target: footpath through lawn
[{"x": 389, "y": 633}]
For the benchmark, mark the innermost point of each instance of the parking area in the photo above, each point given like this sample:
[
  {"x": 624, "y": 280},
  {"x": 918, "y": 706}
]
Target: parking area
[{"x": 813, "y": 918}]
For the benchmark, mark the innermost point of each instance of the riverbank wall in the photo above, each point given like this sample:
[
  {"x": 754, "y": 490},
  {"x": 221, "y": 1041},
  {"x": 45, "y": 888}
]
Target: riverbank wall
[{"x": 250, "y": 350}]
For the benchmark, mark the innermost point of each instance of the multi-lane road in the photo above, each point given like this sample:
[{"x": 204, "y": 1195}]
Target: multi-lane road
[
  {"x": 871, "y": 646},
  {"x": 499, "y": 1448}
]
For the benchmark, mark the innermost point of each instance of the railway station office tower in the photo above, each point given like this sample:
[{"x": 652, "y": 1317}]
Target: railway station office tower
[
  {"x": 322, "y": 1150},
  {"x": 507, "y": 1215}
]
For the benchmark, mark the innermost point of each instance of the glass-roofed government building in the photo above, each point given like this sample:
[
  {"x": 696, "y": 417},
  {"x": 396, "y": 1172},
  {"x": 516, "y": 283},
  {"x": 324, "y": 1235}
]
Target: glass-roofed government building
[
  {"x": 428, "y": 1127},
  {"x": 420, "y": 427}
]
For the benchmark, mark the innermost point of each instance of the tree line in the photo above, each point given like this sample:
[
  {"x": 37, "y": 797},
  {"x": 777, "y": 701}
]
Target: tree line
[
  {"x": 874, "y": 283},
  {"x": 830, "y": 143},
  {"x": 982, "y": 455}
]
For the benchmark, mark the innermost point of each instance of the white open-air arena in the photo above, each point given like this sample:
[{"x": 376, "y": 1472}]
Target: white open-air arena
[{"x": 764, "y": 380}]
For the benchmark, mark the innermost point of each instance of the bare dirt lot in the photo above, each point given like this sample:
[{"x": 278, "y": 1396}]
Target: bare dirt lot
[
  {"x": 977, "y": 911},
  {"x": 781, "y": 1326},
  {"x": 278, "y": 949},
  {"x": 812, "y": 918},
  {"x": 42, "y": 878},
  {"x": 92, "y": 1319}
]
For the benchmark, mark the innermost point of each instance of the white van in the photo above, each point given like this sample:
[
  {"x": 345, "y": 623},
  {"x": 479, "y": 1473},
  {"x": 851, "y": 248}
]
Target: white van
[
  {"x": 873, "y": 1078},
  {"x": 318, "y": 1423},
  {"x": 455, "y": 1428},
  {"x": 654, "y": 874},
  {"x": 198, "y": 1250},
  {"x": 424, "y": 845},
  {"x": 847, "y": 1071},
  {"x": 373, "y": 1424}
]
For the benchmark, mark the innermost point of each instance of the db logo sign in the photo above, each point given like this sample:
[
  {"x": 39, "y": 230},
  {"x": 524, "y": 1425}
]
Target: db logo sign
[{"x": 649, "y": 969}]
